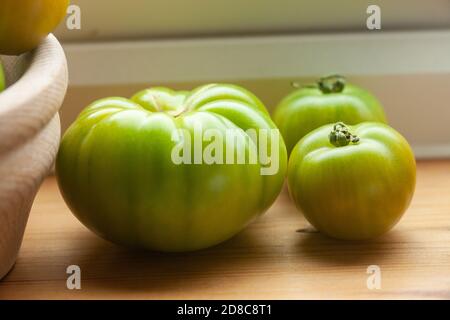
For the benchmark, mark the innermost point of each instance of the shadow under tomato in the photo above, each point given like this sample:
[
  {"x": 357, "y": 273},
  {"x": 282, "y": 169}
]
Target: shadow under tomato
[
  {"x": 117, "y": 268},
  {"x": 313, "y": 245}
]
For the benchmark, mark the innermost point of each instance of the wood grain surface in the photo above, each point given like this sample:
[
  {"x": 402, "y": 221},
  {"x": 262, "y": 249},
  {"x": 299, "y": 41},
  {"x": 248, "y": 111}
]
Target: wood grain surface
[{"x": 277, "y": 257}]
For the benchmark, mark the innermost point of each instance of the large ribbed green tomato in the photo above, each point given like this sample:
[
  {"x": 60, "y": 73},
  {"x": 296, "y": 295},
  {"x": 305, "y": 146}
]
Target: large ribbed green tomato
[
  {"x": 116, "y": 170},
  {"x": 329, "y": 101},
  {"x": 352, "y": 182}
]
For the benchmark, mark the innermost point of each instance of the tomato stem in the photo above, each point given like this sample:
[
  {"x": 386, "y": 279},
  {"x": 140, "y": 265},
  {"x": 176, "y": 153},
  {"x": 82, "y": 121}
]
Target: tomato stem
[
  {"x": 177, "y": 113},
  {"x": 331, "y": 84},
  {"x": 340, "y": 136}
]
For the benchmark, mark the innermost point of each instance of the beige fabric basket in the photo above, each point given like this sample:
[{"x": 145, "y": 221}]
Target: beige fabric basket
[{"x": 29, "y": 136}]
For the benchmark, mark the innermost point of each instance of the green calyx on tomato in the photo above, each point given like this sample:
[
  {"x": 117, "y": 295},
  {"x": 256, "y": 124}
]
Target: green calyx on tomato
[
  {"x": 340, "y": 136},
  {"x": 330, "y": 100},
  {"x": 24, "y": 23},
  {"x": 331, "y": 84},
  {"x": 117, "y": 173},
  {"x": 352, "y": 182},
  {"x": 2, "y": 78}
]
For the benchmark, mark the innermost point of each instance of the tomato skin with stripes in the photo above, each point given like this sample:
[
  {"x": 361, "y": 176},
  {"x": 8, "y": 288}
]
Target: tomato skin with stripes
[
  {"x": 352, "y": 191},
  {"x": 311, "y": 107},
  {"x": 116, "y": 172}
]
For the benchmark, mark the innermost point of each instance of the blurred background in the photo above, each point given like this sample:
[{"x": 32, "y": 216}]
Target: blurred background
[{"x": 265, "y": 45}]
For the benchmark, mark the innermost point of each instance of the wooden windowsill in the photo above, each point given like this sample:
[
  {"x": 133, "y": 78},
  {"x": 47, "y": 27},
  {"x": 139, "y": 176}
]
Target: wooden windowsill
[{"x": 269, "y": 260}]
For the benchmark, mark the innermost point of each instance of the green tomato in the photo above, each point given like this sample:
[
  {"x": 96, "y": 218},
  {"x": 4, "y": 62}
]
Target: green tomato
[
  {"x": 2, "y": 78},
  {"x": 330, "y": 101},
  {"x": 352, "y": 182},
  {"x": 117, "y": 172}
]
